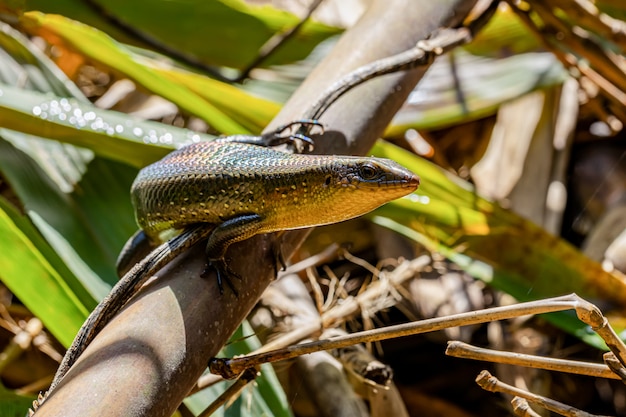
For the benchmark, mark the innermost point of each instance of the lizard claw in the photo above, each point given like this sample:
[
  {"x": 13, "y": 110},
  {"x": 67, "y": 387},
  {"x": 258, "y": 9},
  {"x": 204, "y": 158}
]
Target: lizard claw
[
  {"x": 224, "y": 274},
  {"x": 279, "y": 259},
  {"x": 305, "y": 127},
  {"x": 278, "y": 137}
]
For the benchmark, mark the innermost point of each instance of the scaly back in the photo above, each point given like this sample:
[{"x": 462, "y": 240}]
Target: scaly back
[{"x": 210, "y": 182}]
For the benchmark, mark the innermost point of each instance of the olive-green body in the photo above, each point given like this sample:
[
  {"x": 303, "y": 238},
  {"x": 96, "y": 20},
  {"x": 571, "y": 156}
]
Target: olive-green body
[{"x": 212, "y": 182}]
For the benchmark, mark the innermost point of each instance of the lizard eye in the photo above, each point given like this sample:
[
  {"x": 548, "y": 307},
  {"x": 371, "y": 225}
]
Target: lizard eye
[{"x": 368, "y": 171}]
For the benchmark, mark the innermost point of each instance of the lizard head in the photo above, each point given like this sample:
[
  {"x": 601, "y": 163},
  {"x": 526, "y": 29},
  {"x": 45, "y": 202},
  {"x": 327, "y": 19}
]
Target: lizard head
[
  {"x": 361, "y": 184},
  {"x": 296, "y": 191},
  {"x": 323, "y": 190}
]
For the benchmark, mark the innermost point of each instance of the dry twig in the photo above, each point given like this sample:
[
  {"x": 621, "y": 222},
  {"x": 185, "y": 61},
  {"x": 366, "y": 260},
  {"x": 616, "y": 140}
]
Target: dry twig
[
  {"x": 586, "y": 312},
  {"x": 490, "y": 383}
]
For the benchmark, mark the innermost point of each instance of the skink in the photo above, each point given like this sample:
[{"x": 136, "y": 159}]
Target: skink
[
  {"x": 244, "y": 189},
  {"x": 241, "y": 189}
]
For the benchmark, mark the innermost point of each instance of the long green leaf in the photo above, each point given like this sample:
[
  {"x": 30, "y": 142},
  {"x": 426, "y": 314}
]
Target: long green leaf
[
  {"x": 100, "y": 47},
  {"x": 30, "y": 268},
  {"x": 111, "y": 134},
  {"x": 77, "y": 202},
  {"x": 252, "y": 112},
  {"x": 217, "y": 32}
]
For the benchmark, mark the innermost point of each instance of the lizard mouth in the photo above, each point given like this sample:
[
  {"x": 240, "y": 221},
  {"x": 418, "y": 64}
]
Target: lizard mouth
[
  {"x": 412, "y": 182},
  {"x": 409, "y": 181}
]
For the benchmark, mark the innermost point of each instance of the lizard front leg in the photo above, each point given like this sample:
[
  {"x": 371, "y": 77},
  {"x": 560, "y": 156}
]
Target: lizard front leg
[{"x": 225, "y": 234}]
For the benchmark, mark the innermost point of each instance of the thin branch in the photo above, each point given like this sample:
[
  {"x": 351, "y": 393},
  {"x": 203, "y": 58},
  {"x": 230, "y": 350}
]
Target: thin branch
[
  {"x": 232, "y": 391},
  {"x": 587, "y": 312},
  {"x": 522, "y": 409},
  {"x": 276, "y": 41},
  {"x": 463, "y": 350},
  {"x": 615, "y": 365},
  {"x": 490, "y": 383},
  {"x": 581, "y": 43},
  {"x": 424, "y": 53},
  {"x": 586, "y": 14},
  {"x": 608, "y": 89}
]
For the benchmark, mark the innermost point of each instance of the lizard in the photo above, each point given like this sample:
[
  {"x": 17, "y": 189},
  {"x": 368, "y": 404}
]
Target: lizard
[
  {"x": 240, "y": 188},
  {"x": 249, "y": 224},
  {"x": 248, "y": 189},
  {"x": 277, "y": 166}
]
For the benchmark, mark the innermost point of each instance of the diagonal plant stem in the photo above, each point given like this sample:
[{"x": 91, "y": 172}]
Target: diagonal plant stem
[
  {"x": 608, "y": 86},
  {"x": 232, "y": 391},
  {"x": 466, "y": 351},
  {"x": 587, "y": 312},
  {"x": 276, "y": 41},
  {"x": 586, "y": 14},
  {"x": 522, "y": 408},
  {"x": 424, "y": 53},
  {"x": 490, "y": 383}
]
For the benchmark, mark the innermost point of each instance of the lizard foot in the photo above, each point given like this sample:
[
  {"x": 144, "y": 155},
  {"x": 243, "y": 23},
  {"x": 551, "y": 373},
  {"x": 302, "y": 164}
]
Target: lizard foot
[
  {"x": 283, "y": 134},
  {"x": 305, "y": 127},
  {"x": 224, "y": 274}
]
